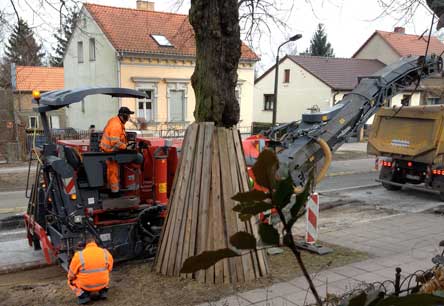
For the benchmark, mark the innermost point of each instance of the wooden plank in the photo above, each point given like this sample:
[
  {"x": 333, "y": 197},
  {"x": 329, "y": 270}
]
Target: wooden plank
[
  {"x": 259, "y": 257},
  {"x": 180, "y": 201},
  {"x": 242, "y": 265},
  {"x": 227, "y": 193},
  {"x": 183, "y": 242},
  {"x": 243, "y": 178},
  {"x": 205, "y": 185},
  {"x": 193, "y": 197},
  {"x": 209, "y": 244},
  {"x": 247, "y": 263},
  {"x": 160, "y": 258},
  {"x": 217, "y": 212}
]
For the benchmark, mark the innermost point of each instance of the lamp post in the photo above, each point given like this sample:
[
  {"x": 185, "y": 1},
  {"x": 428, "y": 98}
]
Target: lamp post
[{"x": 293, "y": 38}]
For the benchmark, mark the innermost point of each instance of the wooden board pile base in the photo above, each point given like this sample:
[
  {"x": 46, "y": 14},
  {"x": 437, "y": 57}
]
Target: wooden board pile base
[{"x": 200, "y": 213}]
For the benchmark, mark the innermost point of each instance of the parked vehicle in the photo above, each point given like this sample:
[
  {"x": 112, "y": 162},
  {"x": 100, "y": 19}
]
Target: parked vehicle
[{"x": 409, "y": 144}]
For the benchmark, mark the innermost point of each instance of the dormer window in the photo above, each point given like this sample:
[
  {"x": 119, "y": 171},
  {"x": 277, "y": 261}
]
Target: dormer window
[{"x": 161, "y": 40}]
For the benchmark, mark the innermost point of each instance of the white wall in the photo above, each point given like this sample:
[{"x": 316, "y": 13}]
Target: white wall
[
  {"x": 377, "y": 48},
  {"x": 294, "y": 98},
  {"x": 101, "y": 72}
]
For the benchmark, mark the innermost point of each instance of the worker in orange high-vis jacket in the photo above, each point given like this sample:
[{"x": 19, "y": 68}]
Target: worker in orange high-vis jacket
[
  {"x": 114, "y": 139},
  {"x": 89, "y": 272}
]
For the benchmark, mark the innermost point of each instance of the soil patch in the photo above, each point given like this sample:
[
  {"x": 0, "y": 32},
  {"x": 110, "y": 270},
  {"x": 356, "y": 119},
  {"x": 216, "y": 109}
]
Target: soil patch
[{"x": 134, "y": 283}]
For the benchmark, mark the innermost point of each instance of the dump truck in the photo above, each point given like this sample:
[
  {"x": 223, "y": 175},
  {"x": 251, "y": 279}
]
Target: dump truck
[{"x": 409, "y": 144}]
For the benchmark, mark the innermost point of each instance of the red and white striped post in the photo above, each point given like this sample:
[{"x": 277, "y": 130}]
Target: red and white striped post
[
  {"x": 311, "y": 229},
  {"x": 311, "y": 232}
]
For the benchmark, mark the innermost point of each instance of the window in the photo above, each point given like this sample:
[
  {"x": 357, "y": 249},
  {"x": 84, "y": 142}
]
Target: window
[
  {"x": 237, "y": 94},
  {"x": 162, "y": 40},
  {"x": 405, "y": 100},
  {"x": 33, "y": 122},
  {"x": 433, "y": 101},
  {"x": 268, "y": 102},
  {"x": 177, "y": 105},
  {"x": 80, "y": 51},
  {"x": 92, "y": 49},
  {"x": 55, "y": 122},
  {"x": 287, "y": 76},
  {"x": 145, "y": 106}
]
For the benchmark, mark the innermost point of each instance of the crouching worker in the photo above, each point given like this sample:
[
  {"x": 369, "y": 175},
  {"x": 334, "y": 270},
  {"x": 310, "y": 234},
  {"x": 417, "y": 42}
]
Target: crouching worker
[{"x": 89, "y": 272}]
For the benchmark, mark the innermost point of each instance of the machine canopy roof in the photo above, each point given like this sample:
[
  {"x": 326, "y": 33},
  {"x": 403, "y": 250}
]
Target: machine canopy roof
[{"x": 59, "y": 98}]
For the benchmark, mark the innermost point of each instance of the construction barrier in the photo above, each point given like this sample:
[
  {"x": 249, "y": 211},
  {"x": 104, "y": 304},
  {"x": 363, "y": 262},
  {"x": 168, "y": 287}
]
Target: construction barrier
[{"x": 311, "y": 232}]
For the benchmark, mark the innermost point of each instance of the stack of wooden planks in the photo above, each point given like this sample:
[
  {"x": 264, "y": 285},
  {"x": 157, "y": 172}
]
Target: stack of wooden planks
[{"x": 200, "y": 213}]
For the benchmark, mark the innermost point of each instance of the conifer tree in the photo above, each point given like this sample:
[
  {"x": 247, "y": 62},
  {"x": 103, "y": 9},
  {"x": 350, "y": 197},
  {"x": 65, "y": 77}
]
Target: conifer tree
[
  {"x": 62, "y": 36},
  {"x": 319, "y": 46},
  {"x": 22, "y": 48}
]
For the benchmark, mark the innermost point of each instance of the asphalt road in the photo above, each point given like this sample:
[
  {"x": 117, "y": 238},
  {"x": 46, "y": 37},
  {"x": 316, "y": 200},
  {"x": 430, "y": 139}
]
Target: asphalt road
[{"x": 342, "y": 174}]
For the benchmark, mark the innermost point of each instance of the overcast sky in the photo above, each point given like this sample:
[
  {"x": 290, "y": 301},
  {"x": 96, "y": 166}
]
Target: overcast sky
[{"x": 348, "y": 22}]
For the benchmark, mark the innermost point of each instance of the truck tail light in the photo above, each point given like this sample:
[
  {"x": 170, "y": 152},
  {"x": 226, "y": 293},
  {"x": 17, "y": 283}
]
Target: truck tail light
[
  {"x": 438, "y": 172},
  {"x": 409, "y": 164},
  {"x": 387, "y": 164}
]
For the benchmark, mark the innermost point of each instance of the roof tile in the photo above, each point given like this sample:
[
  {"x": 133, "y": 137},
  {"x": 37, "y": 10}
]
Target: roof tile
[
  {"x": 407, "y": 44},
  {"x": 338, "y": 73},
  {"x": 29, "y": 78},
  {"x": 129, "y": 30}
]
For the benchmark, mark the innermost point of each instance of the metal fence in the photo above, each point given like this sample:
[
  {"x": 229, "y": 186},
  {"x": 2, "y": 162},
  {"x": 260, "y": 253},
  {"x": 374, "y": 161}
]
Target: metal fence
[{"x": 37, "y": 139}]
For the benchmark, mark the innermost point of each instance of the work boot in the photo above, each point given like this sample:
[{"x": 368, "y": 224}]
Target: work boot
[
  {"x": 84, "y": 298},
  {"x": 103, "y": 293}
]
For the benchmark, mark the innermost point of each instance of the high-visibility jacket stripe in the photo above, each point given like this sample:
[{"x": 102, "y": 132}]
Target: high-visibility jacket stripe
[{"x": 94, "y": 286}]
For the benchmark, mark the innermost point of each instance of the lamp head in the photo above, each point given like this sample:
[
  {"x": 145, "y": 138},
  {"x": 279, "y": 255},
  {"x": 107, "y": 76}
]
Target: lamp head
[{"x": 296, "y": 37}]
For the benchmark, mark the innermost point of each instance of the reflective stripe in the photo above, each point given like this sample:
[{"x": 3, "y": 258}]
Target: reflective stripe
[
  {"x": 82, "y": 260},
  {"x": 89, "y": 271},
  {"x": 111, "y": 138},
  {"x": 106, "y": 145},
  {"x": 106, "y": 258},
  {"x": 94, "y": 286}
]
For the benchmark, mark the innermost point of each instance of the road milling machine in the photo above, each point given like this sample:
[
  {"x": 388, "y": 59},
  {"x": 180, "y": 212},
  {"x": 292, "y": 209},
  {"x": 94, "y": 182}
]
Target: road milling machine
[{"x": 69, "y": 198}]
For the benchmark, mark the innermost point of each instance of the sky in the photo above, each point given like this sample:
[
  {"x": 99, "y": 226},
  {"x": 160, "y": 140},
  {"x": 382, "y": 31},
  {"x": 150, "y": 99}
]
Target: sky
[{"x": 348, "y": 23}]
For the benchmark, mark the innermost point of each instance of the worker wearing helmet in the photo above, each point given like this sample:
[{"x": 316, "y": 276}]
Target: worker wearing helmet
[
  {"x": 114, "y": 139},
  {"x": 89, "y": 272}
]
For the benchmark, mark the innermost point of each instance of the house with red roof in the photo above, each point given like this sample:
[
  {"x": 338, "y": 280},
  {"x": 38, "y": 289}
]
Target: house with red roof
[
  {"x": 308, "y": 83},
  {"x": 389, "y": 47},
  {"x": 25, "y": 79},
  {"x": 147, "y": 50}
]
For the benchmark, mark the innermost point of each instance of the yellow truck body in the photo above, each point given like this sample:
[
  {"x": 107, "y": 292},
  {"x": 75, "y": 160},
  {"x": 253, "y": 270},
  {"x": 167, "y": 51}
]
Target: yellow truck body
[
  {"x": 413, "y": 133},
  {"x": 409, "y": 143}
]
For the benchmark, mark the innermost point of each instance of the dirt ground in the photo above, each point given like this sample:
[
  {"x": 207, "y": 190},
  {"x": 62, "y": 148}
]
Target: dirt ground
[{"x": 135, "y": 284}]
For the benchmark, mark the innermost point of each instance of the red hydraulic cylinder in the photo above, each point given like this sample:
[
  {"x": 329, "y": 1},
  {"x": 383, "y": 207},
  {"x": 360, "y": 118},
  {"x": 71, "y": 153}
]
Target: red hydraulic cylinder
[{"x": 160, "y": 180}]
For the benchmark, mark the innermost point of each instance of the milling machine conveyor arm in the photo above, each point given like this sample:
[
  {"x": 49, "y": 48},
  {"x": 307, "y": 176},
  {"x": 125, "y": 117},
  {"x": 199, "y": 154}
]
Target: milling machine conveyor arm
[{"x": 299, "y": 145}]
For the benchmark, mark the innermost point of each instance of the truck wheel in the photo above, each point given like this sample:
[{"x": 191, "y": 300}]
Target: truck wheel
[{"x": 391, "y": 187}]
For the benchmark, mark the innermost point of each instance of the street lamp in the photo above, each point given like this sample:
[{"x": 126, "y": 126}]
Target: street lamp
[{"x": 293, "y": 38}]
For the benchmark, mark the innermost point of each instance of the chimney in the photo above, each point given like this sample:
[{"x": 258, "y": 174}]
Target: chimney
[
  {"x": 145, "y": 5},
  {"x": 400, "y": 30}
]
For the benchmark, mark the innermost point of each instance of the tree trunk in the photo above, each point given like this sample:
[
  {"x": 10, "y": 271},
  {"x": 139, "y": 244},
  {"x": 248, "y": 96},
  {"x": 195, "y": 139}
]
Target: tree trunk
[{"x": 218, "y": 50}]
